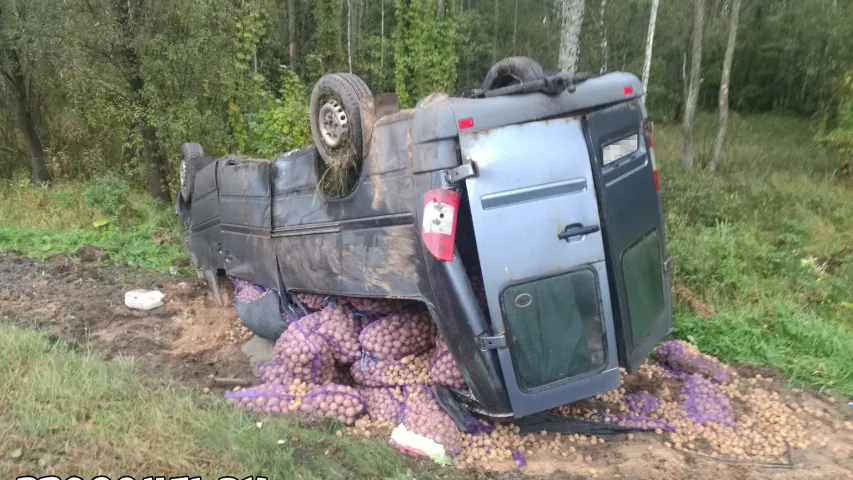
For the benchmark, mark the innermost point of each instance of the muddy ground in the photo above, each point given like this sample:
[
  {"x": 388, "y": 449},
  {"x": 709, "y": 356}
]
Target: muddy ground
[{"x": 192, "y": 338}]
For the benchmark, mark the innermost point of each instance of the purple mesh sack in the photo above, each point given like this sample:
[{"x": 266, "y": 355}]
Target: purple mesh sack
[
  {"x": 442, "y": 368},
  {"x": 684, "y": 357},
  {"x": 399, "y": 335},
  {"x": 410, "y": 370},
  {"x": 275, "y": 373},
  {"x": 384, "y": 404},
  {"x": 374, "y": 307},
  {"x": 423, "y": 416},
  {"x": 641, "y": 403},
  {"x": 318, "y": 301},
  {"x": 246, "y": 292},
  {"x": 305, "y": 355},
  {"x": 707, "y": 403},
  {"x": 330, "y": 400}
]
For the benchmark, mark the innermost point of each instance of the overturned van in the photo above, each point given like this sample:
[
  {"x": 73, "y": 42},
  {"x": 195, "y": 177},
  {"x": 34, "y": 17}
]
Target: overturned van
[{"x": 527, "y": 218}]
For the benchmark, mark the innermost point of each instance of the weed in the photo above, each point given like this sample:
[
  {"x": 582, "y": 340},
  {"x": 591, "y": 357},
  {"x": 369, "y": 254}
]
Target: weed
[{"x": 765, "y": 244}]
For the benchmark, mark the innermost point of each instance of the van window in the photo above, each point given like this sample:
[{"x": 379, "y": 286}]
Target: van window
[{"x": 554, "y": 328}]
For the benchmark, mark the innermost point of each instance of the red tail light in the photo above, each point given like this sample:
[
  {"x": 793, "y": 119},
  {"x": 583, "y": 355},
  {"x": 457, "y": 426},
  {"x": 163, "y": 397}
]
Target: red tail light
[{"x": 439, "y": 226}]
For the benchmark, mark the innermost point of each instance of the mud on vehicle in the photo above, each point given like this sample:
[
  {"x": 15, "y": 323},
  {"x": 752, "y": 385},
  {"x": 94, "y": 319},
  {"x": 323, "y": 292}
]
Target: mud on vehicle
[{"x": 527, "y": 218}]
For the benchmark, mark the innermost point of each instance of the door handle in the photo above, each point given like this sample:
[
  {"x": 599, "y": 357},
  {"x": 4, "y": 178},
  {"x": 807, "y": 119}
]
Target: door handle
[{"x": 577, "y": 230}]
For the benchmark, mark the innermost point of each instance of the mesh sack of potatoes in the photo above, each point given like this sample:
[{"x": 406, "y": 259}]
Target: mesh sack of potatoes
[
  {"x": 707, "y": 403},
  {"x": 442, "y": 367},
  {"x": 410, "y": 370},
  {"x": 384, "y": 404},
  {"x": 274, "y": 373},
  {"x": 339, "y": 401},
  {"x": 319, "y": 301},
  {"x": 246, "y": 292},
  {"x": 341, "y": 330},
  {"x": 683, "y": 359},
  {"x": 304, "y": 355},
  {"x": 422, "y": 415},
  {"x": 376, "y": 307},
  {"x": 398, "y": 335}
]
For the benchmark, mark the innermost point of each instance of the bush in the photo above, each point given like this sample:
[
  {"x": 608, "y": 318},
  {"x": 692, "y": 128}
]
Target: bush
[{"x": 109, "y": 193}]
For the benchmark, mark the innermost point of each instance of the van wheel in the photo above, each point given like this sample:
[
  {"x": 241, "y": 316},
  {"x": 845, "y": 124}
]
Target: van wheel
[
  {"x": 512, "y": 71},
  {"x": 191, "y": 161},
  {"x": 336, "y": 118}
]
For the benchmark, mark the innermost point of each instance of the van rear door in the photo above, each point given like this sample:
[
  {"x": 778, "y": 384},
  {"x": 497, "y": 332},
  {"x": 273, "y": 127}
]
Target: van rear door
[
  {"x": 542, "y": 255},
  {"x": 632, "y": 222}
]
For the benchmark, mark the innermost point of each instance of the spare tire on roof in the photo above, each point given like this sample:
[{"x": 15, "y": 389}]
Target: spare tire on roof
[
  {"x": 336, "y": 126},
  {"x": 512, "y": 71}
]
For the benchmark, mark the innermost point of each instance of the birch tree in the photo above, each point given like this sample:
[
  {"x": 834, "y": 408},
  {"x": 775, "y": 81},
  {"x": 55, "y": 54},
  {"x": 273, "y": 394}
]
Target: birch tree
[
  {"x": 650, "y": 40},
  {"x": 572, "y": 16},
  {"x": 717, "y": 158},
  {"x": 602, "y": 27},
  {"x": 688, "y": 146}
]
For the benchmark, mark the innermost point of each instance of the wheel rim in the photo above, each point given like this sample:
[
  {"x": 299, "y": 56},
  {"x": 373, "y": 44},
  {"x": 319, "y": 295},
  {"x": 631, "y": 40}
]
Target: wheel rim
[
  {"x": 334, "y": 125},
  {"x": 183, "y": 176}
]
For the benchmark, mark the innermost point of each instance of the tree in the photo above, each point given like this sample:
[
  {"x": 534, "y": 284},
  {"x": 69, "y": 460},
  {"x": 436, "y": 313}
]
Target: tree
[
  {"x": 602, "y": 27},
  {"x": 650, "y": 40},
  {"x": 572, "y": 17},
  {"x": 717, "y": 157},
  {"x": 693, "y": 88},
  {"x": 15, "y": 37}
]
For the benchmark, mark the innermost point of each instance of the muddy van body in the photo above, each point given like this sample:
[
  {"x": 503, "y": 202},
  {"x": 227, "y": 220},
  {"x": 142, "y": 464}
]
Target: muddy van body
[{"x": 530, "y": 225}]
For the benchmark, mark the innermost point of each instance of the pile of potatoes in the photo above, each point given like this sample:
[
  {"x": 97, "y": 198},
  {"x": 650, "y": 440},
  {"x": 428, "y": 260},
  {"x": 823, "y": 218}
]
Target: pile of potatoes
[{"x": 700, "y": 414}]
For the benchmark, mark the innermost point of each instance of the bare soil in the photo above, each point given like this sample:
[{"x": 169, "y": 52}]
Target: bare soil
[{"x": 192, "y": 337}]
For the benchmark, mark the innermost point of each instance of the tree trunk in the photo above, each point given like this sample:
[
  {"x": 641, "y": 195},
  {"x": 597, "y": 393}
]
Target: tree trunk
[
  {"x": 155, "y": 158},
  {"x": 717, "y": 157},
  {"x": 382, "y": 43},
  {"x": 439, "y": 12},
  {"x": 291, "y": 32},
  {"x": 155, "y": 163},
  {"x": 650, "y": 40},
  {"x": 26, "y": 121},
  {"x": 693, "y": 90},
  {"x": 495, "y": 36},
  {"x": 603, "y": 32},
  {"x": 515, "y": 28},
  {"x": 572, "y": 11},
  {"x": 349, "y": 39}
]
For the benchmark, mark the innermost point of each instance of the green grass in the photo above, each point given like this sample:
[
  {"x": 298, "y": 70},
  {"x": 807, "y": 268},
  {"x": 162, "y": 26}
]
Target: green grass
[
  {"x": 40, "y": 222},
  {"x": 769, "y": 244},
  {"x": 77, "y": 414}
]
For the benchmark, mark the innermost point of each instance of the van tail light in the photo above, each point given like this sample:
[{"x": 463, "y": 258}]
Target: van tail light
[
  {"x": 439, "y": 225},
  {"x": 654, "y": 164}
]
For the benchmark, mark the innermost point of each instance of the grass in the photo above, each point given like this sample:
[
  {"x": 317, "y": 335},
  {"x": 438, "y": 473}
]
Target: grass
[
  {"x": 68, "y": 412},
  {"x": 40, "y": 222},
  {"x": 767, "y": 243}
]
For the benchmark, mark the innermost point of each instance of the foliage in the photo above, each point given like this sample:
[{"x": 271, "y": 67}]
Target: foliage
[
  {"x": 840, "y": 134},
  {"x": 328, "y": 43},
  {"x": 424, "y": 50},
  {"x": 110, "y": 193}
]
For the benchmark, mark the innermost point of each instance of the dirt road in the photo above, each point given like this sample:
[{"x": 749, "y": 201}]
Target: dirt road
[{"x": 192, "y": 338}]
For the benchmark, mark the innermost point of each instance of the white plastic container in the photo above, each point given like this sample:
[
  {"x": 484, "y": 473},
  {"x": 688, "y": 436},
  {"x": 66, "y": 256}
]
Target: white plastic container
[{"x": 143, "y": 299}]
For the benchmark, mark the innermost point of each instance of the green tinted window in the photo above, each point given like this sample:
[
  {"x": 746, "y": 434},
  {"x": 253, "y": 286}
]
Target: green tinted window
[
  {"x": 554, "y": 328},
  {"x": 641, "y": 268}
]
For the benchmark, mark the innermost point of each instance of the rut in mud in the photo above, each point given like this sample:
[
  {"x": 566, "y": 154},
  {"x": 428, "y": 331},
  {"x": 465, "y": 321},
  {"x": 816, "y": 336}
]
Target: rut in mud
[{"x": 192, "y": 337}]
